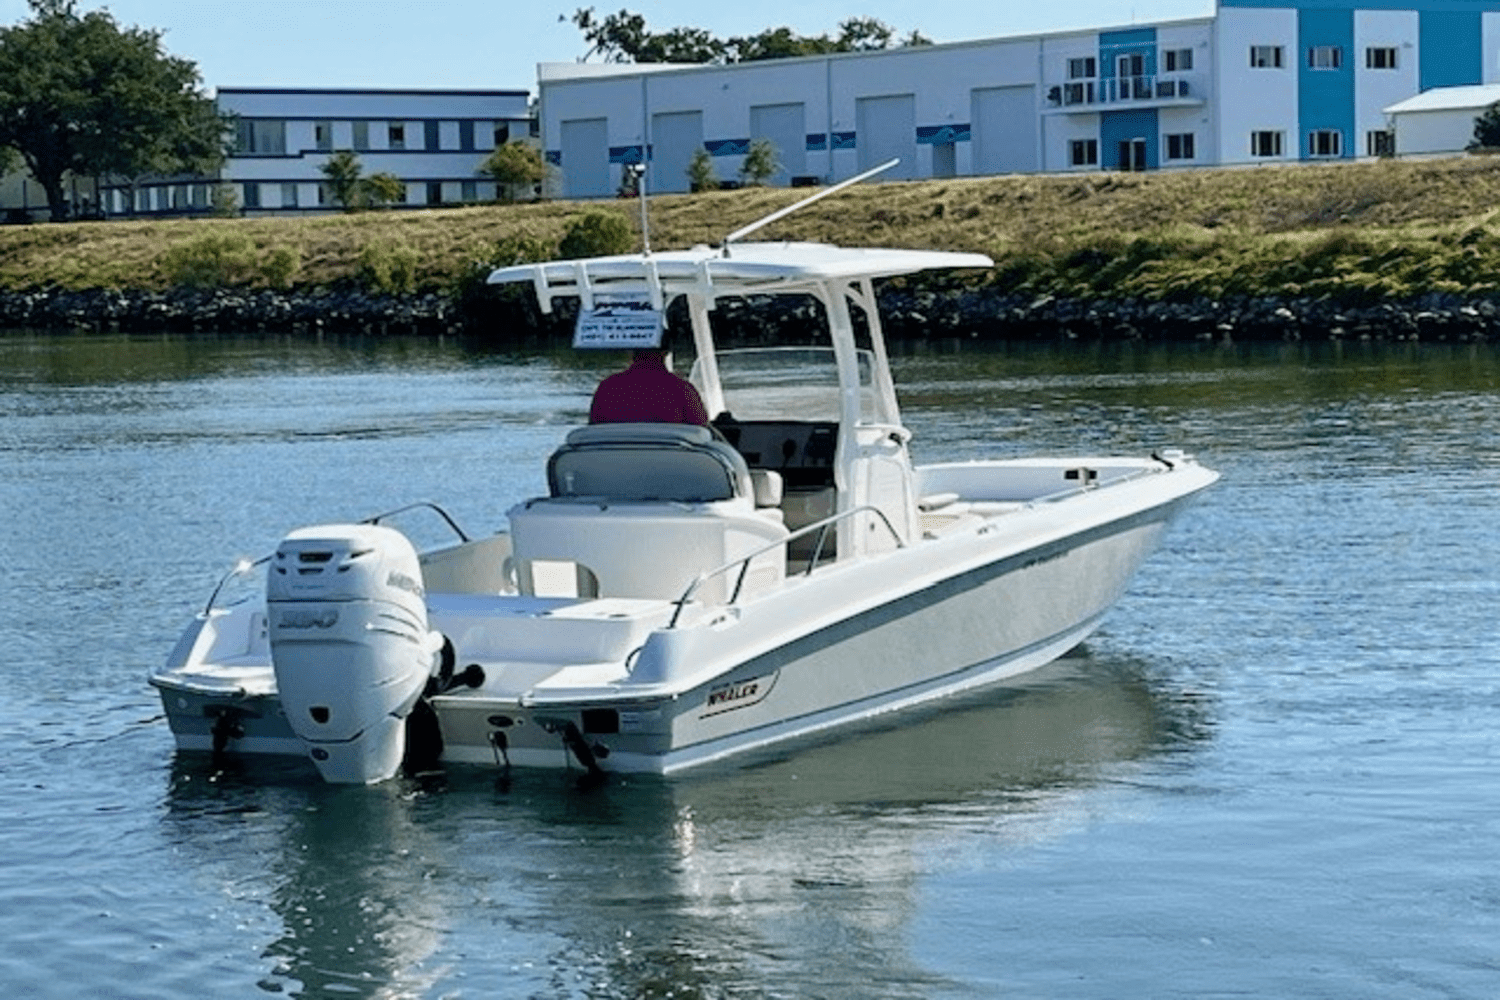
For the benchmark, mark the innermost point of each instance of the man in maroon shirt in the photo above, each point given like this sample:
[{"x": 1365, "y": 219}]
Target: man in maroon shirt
[{"x": 647, "y": 392}]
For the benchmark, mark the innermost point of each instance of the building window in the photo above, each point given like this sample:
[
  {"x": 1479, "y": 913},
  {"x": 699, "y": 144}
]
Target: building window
[
  {"x": 432, "y": 135},
  {"x": 1181, "y": 146},
  {"x": 361, "y": 136},
  {"x": 434, "y": 192},
  {"x": 252, "y": 195},
  {"x": 502, "y": 134},
  {"x": 1380, "y": 143},
  {"x": 395, "y": 136},
  {"x": 1265, "y": 57},
  {"x": 1177, "y": 60},
  {"x": 1325, "y": 57},
  {"x": 323, "y": 136},
  {"x": 261, "y": 136},
  {"x": 1265, "y": 143},
  {"x": 1084, "y": 152},
  {"x": 288, "y": 196},
  {"x": 1078, "y": 93},
  {"x": 466, "y": 136},
  {"x": 1325, "y": 142},
  {"x": 1380, "y": 57},
  {"x": 468, "y": 190},
  {"x": 1082, "y": 69}
]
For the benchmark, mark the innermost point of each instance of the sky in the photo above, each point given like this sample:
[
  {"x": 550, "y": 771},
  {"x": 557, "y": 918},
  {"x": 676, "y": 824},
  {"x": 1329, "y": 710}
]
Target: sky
[{"x": 496, "y": 44}]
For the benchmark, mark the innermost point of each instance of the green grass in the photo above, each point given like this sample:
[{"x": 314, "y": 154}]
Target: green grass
[{"x": 1353, "y": 232}]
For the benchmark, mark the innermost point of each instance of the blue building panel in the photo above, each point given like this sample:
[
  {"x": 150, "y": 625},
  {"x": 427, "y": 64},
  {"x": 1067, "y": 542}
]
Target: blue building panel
[
  {"x": 628, "y": 154},
  {"x": 1451, "y": 46},
  {"x": 941, "y": 135},
  {"x": 1120, "y": 127},
  {"x": 727, "y": 147},
  {"x": 1325, "y": 79}
]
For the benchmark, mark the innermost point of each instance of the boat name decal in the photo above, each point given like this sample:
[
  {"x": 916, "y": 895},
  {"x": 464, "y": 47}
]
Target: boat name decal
[
  {"x": 401, "y": 581},
  {"x": 738, "y": 694},
  {"x": 322, "y": 618}
]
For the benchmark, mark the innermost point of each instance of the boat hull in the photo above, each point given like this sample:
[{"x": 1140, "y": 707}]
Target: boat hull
[
  {"x": 953, "y": 633},
  {"x": 634, "y": 690}
]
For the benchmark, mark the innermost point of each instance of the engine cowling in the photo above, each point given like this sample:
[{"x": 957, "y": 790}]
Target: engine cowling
[{"x": 350, "y": 645}]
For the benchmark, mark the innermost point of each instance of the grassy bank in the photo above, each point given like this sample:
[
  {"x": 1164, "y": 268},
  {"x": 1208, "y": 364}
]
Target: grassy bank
[{"x": 1364, "y": 232}]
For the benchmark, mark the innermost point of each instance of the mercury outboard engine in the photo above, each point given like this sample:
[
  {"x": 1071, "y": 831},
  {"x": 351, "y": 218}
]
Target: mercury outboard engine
[{"x": 350, "y": 645}]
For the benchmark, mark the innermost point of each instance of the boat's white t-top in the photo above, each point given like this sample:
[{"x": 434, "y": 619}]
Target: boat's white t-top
[{"x": 840, "y": 451}]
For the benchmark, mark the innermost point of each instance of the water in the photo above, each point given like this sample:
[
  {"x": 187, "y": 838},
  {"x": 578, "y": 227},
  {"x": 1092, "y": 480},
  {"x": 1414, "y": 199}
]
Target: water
[{"x": 1274, "y": 773}]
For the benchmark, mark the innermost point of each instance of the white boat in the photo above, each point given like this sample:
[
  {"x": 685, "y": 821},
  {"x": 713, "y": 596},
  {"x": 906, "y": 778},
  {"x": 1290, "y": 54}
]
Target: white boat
[{"x": 682, "y": 594}]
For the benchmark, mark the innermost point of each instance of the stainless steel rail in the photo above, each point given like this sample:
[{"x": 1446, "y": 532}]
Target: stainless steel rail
[{"x": 743, "y": 562}]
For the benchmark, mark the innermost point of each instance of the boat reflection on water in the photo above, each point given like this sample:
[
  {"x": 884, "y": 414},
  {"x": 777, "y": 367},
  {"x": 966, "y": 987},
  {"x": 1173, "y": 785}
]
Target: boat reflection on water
[
  {"x": 345, "y": 871},
  {"x": 720, "y": 882}
]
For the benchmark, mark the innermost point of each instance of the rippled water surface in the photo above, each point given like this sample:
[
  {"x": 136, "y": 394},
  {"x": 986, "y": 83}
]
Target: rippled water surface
[{"x": 1274, "y": 773}]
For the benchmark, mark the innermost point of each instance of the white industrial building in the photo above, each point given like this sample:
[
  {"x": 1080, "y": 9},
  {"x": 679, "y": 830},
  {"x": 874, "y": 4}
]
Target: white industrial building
[
  {"x": 434, "y": 141},
  {"x": 1259, "y": 81},
  {"x": 1439, "y": 121}
]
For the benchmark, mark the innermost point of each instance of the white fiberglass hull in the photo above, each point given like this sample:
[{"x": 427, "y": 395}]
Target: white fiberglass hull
[{"x": 853, "y": 639}]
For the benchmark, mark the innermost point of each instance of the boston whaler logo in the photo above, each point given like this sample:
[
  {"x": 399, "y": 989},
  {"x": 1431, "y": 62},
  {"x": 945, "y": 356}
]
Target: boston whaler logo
[{"x": 732, "y": 695}]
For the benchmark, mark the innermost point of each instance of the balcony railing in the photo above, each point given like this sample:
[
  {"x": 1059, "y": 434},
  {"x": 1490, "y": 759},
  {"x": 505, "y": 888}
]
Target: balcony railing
[{"x": 1094, "y": 94}]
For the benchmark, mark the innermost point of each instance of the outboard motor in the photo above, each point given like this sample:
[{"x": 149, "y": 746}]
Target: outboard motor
[{"x": 350, "y": 645}]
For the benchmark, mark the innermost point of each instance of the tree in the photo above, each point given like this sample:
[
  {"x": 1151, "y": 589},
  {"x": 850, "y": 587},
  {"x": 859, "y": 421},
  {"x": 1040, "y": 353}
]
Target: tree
[
  {"x": 623, "y": 37},
  {"x": 514, "y": 165},
  {"x": 342, "y": 170},
  {"x": 761, "y": 162},
  {"x": 1487, "y": 128},
  {"x": 379, "y": 190},
  {"x": 81, "y": 95},
  {"x": 701, "y": 173}
]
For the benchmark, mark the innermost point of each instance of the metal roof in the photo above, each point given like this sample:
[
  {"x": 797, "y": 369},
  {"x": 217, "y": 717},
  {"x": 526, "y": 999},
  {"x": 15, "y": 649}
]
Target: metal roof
[{"x": 1469, "y": 98}]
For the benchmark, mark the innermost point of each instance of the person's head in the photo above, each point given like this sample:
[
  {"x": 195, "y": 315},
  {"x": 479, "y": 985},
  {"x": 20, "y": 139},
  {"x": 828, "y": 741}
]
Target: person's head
[{"x": 654, "y": 356}]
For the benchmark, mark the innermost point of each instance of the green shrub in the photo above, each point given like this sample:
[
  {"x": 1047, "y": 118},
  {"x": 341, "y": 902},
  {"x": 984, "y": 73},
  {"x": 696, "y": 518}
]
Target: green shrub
[
  {"x": 220, "y": 259},
  {"x": 514, "y": 248},
  {"x": 388, "y": 267},
  {"x": 762, "y": 162},
  {"x": 596, "y": 233},
  {"x": 280, "y": 266},
  {"x": 701, "y": 173},
  {"x": 211, "y": 260}
]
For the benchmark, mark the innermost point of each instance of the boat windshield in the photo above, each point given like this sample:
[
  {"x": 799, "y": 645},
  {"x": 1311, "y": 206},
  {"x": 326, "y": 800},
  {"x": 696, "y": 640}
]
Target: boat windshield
[{"x": 787, "y": 383}]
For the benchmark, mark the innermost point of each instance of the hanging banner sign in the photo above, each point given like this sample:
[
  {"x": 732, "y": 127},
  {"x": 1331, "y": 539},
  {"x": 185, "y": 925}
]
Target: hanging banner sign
[{"x": 619, "y": 321}]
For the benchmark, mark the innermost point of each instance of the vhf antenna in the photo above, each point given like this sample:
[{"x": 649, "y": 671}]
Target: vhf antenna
[{"x": 782, "y": 213}]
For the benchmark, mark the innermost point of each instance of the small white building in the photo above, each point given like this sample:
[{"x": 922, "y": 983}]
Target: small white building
[
  {"x": 434, "y": 141},
  {"x": 1441, "y": 120}
]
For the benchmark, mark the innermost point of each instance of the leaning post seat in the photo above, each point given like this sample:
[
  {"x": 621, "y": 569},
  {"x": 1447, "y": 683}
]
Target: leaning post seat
[
  {"x": 642, "y": 510},
  {"x": 641, "y": 461}
]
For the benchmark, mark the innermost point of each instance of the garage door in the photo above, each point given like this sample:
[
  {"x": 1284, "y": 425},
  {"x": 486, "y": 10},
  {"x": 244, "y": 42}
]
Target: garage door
[
  {"x": 1004, "y": 129},
  {"x": 674, "y": 139},
  {"x": 887, "y": 129},
  {"x": 585, "y": 158},
  {"x": 785, "y": 126}
]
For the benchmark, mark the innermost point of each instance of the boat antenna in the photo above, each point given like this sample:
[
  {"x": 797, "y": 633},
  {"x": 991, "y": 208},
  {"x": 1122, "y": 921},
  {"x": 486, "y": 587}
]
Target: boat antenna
[
  {"x": 782, "y": 213},
  {"x": 638, "y": 171}
]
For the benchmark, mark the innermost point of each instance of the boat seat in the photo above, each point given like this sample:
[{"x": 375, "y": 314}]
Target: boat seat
[{"x": 674, "y": 462}]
